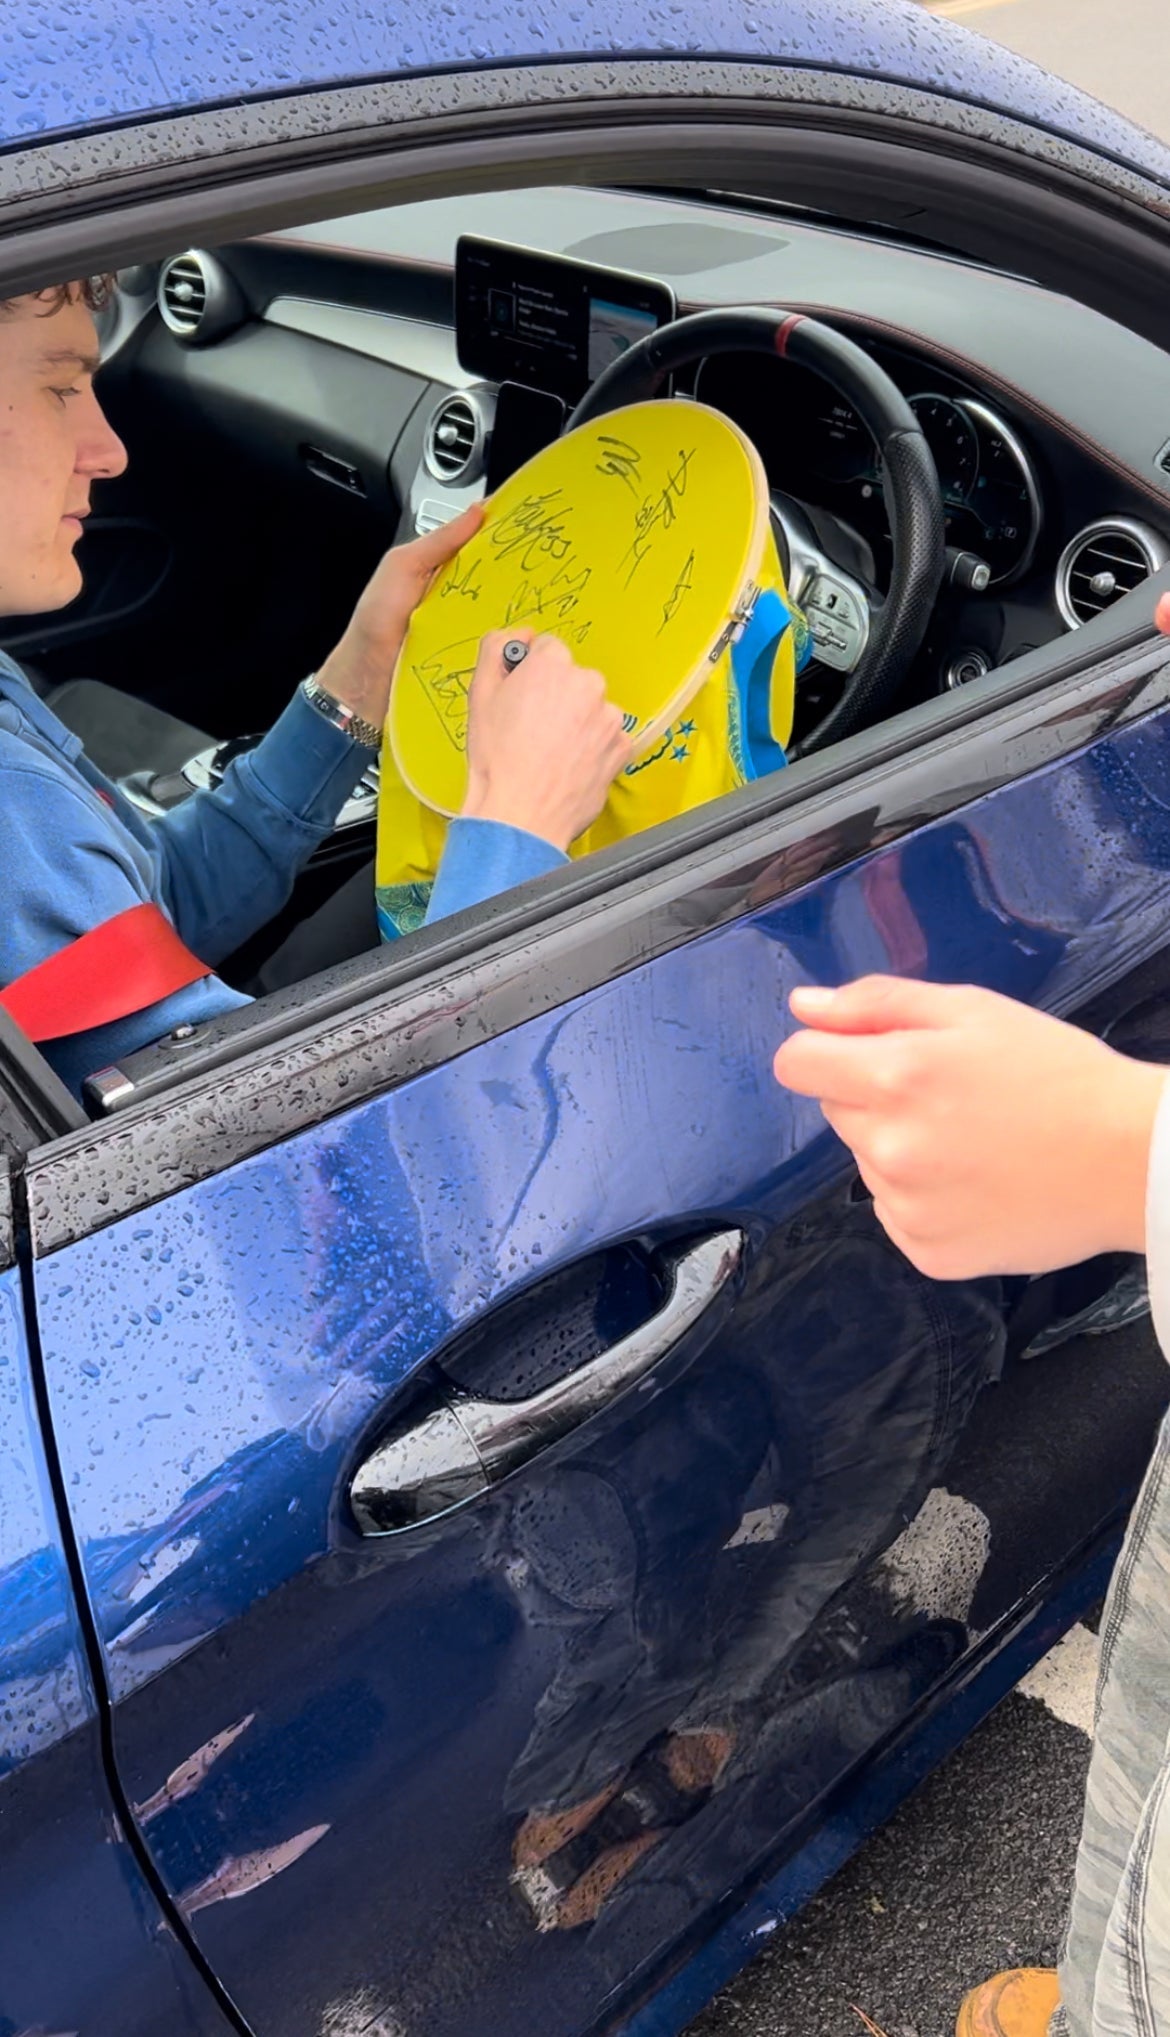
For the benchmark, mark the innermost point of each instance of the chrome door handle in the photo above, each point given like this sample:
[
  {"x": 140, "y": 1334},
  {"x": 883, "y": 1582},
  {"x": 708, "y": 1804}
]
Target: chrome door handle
[{"x": 464, "y": 1445}]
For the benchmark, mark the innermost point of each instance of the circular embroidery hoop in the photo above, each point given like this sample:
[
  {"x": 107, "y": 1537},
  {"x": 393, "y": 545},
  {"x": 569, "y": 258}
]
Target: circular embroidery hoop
[{"x": 636, "y": 539}]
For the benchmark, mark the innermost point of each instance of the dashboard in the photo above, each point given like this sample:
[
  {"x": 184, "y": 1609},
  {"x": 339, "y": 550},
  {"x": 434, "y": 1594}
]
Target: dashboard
[{"x": 388, "y": 359}]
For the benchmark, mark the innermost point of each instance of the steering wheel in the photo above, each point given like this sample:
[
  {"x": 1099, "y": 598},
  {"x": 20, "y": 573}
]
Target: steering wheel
[{"x": 870, "y": 640}]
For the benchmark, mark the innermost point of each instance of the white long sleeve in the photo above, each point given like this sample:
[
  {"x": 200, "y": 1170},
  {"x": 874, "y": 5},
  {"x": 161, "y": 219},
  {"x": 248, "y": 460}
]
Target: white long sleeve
[{"x": 1158, "y": 1221}]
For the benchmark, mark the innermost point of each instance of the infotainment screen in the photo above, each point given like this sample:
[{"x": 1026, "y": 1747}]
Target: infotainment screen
[{"x": 545, "y": 322}]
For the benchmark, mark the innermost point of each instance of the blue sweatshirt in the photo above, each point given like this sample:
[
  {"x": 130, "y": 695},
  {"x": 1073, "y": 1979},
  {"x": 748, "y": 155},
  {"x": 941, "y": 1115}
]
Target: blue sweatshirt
[{"x": 77, "y": 852}]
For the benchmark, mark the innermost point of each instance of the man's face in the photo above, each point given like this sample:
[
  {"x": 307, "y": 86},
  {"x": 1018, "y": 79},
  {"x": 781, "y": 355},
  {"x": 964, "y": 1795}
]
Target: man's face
[{"x": 54, "y": 443}]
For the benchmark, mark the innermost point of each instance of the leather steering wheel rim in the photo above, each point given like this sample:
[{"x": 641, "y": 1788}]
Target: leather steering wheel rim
[{"x": 909, "y": 478}]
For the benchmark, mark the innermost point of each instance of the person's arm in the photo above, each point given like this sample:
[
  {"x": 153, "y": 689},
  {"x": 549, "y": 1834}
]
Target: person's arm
[
  {"x": 230, "y": 856},
  {"x": 1158, "y": 1220},
  {"x": 66, "y": 873},
  {"x": 993, "y": 1138},
  {"x": 544, "y": 745},
  {"x": 482, "y": 858}
]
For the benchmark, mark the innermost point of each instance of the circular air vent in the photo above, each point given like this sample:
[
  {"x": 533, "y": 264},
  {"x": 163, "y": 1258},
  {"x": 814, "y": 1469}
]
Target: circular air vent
[
  {"x": 183, "y": 292},
  {"x": 453, "y": 448},
  {"x": 1103, "y": 564},
  {"x": 197, "y": 298}
]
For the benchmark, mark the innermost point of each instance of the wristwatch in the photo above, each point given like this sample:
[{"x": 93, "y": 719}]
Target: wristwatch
[{"x": 341, "y": 717}]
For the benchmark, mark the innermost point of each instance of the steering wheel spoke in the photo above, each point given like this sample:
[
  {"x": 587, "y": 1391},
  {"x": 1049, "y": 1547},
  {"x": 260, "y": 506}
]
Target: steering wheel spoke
[{"x": 838, "y": 608}]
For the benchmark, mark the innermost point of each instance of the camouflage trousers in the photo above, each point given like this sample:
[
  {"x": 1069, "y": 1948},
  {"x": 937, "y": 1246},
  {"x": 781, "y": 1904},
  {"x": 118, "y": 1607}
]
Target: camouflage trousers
[{"x": 1115, "y": 1965}]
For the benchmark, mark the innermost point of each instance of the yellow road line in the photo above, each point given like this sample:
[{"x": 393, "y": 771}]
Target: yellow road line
[{"x": 952, "y": 8}]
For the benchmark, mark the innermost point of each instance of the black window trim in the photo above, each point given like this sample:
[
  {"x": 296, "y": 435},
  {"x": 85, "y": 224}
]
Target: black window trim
[{"x": 259, "y": 165}]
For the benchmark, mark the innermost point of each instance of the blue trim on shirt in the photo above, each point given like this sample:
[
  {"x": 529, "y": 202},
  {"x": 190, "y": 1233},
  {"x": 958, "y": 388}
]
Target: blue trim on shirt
[
  {"x": 481, "y": 858},
  {"x": 752, "y": 659}
]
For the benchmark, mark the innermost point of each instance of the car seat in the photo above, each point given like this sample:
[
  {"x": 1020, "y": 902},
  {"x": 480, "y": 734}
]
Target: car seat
[{"x": 122, "y": 734}]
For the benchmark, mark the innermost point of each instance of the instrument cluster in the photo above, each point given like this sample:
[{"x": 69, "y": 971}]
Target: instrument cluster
[{"x": 816, "y": 448}]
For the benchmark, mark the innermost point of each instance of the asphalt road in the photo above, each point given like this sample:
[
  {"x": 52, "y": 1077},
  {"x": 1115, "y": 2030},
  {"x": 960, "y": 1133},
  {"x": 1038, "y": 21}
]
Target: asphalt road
[{"x": 973, "y": 1874}]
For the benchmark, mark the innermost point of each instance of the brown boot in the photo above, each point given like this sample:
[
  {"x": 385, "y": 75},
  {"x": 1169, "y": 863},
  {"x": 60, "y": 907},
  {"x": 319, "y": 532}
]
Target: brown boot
[{"x": 1019, "y": 2003}]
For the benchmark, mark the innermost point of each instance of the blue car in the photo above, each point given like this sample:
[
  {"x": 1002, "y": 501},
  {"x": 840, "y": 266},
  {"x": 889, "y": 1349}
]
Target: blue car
[{"x": 487, "y": 1521}]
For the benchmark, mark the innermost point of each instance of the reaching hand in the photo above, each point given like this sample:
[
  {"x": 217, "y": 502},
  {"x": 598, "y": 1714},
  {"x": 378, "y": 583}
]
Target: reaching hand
[
  {"x": 544, "y": 744},
  {"x": 993, "y": 1138},
  {"x": 359, "y": 671}
]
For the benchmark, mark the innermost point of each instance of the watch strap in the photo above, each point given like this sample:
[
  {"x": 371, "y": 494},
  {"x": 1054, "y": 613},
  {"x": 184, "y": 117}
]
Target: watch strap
[{"x": 342, "y": 717}]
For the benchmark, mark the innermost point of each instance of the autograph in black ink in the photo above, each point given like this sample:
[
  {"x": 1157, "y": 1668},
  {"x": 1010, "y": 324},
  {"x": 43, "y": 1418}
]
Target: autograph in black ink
[
  {"x": 552, "y": 600},
  {"x": 678, "y": 593},
  {"x": 446, "y": 679},
  {"x": 535, "y": 530},
  {"x": 657, "y": 512},
  {"x": 621, "y": 460},
  {"x": 463, "y": 580}
]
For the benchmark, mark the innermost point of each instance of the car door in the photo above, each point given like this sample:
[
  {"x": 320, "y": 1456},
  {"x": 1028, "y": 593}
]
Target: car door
[
  {"x": 512, "y": 1474},
  {"x": 83, "y": 1942}
]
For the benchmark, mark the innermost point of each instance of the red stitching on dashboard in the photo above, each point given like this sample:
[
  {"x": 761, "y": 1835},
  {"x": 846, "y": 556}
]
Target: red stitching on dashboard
[{"x": 784, "y": 332}]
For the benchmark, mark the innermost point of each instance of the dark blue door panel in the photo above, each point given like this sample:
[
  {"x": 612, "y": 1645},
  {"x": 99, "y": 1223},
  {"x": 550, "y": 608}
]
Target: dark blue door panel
[
  {"x": 473, "y": 1776},
  {"x": 83, "y": 1946}
]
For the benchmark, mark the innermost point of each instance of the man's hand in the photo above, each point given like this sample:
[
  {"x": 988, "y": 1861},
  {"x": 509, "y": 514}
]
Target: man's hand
[
  {"x": 544, "y": 744},
  {"x": 993, "y": 1139},
  {"x": 359, "y": 671}
]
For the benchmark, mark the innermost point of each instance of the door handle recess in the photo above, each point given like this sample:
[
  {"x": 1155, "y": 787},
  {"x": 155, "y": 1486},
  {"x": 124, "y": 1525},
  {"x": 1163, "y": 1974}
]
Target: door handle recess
[{"x": 462, "y": 1445}]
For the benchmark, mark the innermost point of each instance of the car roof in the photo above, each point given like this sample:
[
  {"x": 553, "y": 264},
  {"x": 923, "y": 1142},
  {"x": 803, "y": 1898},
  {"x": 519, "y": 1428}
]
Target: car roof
[{"x": 68, "y": 66}]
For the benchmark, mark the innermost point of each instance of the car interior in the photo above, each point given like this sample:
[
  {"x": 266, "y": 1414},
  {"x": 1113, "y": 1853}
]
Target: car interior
[{"x": 295, "y": 402}]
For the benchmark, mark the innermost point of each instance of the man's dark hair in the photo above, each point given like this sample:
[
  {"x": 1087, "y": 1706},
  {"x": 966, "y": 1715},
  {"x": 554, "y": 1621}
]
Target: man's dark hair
[{"x": 94, "y": 291}]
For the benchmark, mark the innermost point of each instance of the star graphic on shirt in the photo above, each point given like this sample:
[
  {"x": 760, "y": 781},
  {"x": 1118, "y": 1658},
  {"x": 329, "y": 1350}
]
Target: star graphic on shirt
[
  {"x": 680, "y": 753},
  {"x": 686, "y": 728}
]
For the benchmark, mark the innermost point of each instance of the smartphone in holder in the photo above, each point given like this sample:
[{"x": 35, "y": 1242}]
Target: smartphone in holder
[{"x": 526, "y": 421}]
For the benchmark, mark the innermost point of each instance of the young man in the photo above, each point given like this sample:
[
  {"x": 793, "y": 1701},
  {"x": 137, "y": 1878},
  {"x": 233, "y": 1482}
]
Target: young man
[
  {"x": 997, "y": 1140},
  {"x": 543, "y": 743}
]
